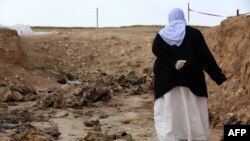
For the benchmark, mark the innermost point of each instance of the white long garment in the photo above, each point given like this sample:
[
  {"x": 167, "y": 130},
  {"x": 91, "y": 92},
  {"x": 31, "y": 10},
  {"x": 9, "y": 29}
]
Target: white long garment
[{"x": 180, "y": 115}]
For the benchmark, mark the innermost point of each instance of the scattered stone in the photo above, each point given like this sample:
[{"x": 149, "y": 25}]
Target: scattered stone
[
  {"x": 103, "y": 116},
  {"x": 98, "y": 136},
  {"x": 74, "y": 98},
  {"x": 132, "y": 84},
  {"x": 5, "y": 94},
  {"x": 132, "y": 78},
  {"x": 54, "y": 99},
  {"x": 16, "y": 96},
  {"x": 62, "y": 81},
  {"x": 137, "y": 90},
  {"x": 231, "y": 119},
  {"x": 21, "y": 116},
  {"x": 53, "y": 131},
  {"x": 102, "y": 72},
  {"x": 23, "y": 89},
  {"x": 89, "y": 113},
  {"x": 236, "y": 119},
  {"x": 66, "y": 78},
  {"x": 125, "y": 136},
  {"x": 3, "y": 108},
  {"x": 125, "y": 121},
  {"x": 63, "y": 115},
  {"x": 93, "y": 136},
  {"x": 102, "y": 93},
  {"x": 92, "y": 123},
  {"x": 22, "y": 133},
  {"x": 98, "y": 93},
  {"x": 17, "y": 93}
]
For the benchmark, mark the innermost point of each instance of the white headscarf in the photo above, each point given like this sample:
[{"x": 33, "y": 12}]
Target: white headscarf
[{"x": 174, "y": 33}]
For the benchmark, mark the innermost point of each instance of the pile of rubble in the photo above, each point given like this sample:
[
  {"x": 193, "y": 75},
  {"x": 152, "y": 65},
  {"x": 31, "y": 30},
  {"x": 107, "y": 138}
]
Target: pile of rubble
[
  {"x": 98, "y": 135},
  {"x": 26, "y": 132},
  {"x": 14, "y": 126},
  {"x": 15, "y": 123},
  {"x": 16, "y": 92}
]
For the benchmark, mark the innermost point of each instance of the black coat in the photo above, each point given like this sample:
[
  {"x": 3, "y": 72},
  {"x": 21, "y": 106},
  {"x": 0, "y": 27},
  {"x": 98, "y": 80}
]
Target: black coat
[{"x": 195, "y": 51}]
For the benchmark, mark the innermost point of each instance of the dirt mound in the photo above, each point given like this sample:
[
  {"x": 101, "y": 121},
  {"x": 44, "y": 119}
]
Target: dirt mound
[
  {"x": 230, "y": 43},
  {"x": 54, "y": 75},
  {"x": 10, "y": 51},
  {"x": 79, "y": 54}
]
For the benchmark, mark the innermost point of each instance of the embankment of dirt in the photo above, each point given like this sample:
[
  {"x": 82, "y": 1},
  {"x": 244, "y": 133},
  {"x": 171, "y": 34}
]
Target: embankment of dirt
[
  {"x": 120, "y": 58},
  {"x": 230, "y": 44},
  {"x": 10, "y": 50}
]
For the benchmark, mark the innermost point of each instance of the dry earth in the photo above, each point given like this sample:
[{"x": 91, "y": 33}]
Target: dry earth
[{"x": 105, "y": 82}]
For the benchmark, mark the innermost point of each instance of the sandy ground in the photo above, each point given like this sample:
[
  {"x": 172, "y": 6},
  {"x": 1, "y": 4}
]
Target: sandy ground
[{"x": 105, "y": 55}]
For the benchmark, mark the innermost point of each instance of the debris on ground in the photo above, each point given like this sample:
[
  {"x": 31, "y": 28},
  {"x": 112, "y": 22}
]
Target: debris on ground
[
  {"x": 98, "y": 136},
  {"x": 17, "y": 93},
  {"x": 24, "y": 132}
]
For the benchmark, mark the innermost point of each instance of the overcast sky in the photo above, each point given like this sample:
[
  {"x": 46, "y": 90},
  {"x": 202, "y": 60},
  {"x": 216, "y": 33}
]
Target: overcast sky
[{"x": 113, "y": 12}]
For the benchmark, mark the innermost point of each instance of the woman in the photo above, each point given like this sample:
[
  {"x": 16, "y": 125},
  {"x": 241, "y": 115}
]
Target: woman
[{"x": 180, "y": 108}]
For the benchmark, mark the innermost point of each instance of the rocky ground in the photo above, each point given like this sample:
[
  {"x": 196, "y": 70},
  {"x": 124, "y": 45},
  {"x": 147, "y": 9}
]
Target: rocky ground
[{"x": 96, "y": 84}]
